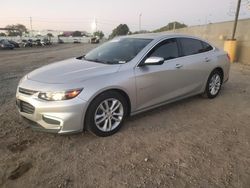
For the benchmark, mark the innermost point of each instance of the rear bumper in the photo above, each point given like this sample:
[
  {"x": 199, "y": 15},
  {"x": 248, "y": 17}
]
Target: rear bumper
[{"x": 53, "y": 116}]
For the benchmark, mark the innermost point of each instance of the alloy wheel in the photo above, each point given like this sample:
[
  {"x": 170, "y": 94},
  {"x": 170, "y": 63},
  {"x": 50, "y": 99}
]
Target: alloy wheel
[
  {"x": 214, "y": 84},
  {"x": 109, "y": 114}
]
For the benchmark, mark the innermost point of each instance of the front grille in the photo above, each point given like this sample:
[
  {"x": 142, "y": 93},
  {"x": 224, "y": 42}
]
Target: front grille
[
  {"x": 26, "y": 91},
  {"x": 25, "y": 107}
]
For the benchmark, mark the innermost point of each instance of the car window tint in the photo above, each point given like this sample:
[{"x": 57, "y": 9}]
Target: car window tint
[
  {"x": 191, "y": 46},
  {"x": 206, "y": 47},
  {"x": 168, "y": 50}
]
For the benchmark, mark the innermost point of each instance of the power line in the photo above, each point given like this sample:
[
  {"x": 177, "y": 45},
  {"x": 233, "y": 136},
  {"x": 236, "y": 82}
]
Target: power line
[
  {"x": 244, "y": 6},
  {"x": 76, "y": 20}
]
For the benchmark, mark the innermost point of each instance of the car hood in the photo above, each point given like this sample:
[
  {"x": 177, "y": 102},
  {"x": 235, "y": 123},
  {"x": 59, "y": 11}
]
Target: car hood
[{"x": 70, "y": 71}]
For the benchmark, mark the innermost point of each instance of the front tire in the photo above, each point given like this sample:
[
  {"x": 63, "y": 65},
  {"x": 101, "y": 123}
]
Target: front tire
[
  {"x": 214, "y": 84},
  {"x": 106, "y": 114}
]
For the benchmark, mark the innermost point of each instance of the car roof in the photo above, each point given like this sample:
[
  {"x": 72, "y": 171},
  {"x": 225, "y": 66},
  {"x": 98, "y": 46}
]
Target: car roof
[{"x": 159, "y": 35}]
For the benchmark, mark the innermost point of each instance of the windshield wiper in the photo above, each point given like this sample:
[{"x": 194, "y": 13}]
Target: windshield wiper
[
  {"x": 98, "y": 61},
  {"x": 93, "y": 60},
  {"x": 80, "y": 57}
]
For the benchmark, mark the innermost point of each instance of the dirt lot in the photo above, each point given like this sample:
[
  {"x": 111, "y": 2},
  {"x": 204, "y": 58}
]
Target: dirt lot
[{"x": 192, "y": 143}]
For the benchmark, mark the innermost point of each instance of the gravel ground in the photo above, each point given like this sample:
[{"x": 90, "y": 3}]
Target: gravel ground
[{"x": 196, "y": 142}]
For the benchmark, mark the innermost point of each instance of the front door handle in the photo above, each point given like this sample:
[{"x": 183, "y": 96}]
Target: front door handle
[
  {"x": 207, "y": 59},
  {"x": 178, "y": 66}
]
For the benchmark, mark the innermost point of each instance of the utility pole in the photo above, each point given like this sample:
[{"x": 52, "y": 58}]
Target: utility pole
[
  {"x": 31, "y": 25},
  {"x": 236, "y": 19},
  {"x": 174, "y": 26},
  {"x": 95, "y": 24},
  {"x": 140, "y": 22}
]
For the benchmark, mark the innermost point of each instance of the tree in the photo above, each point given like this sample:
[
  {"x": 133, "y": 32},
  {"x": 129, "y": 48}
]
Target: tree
[
  {"x": 139, "y": 32},
  {"x": 121, "y": 29},
  {"x": 2, "y": 35},
  {"x": 98, "y": 34},
  {"x": 77, "y": 34},
  {"x": 16, "y": 30},
  {"x": 49, "y": 35},
  {"x": 37, "y": 36},
  {"x": 171, "y": 26}
]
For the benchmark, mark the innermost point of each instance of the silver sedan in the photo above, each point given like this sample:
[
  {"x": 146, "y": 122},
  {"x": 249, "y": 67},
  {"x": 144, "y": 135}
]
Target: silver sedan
[{"x": 124, "y": 76}]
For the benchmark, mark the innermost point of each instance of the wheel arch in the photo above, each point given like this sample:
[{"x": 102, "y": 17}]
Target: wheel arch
[
  {"x": 119, "y": 90},
  {"x": 209, "y": 73},
  {"x": 221, "y": 72}
]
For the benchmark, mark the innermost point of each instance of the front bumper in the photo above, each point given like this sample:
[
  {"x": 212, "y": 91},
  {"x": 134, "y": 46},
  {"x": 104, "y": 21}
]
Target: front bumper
[{"x": 65, "y": 116}]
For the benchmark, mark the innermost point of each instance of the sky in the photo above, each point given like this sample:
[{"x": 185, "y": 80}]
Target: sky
[{"x": 80, "y": 14}]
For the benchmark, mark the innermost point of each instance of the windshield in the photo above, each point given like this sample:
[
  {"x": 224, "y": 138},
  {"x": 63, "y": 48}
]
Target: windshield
[{"x": 116, "y": 51}]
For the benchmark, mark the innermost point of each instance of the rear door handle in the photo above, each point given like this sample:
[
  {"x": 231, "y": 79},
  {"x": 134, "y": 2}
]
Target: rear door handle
[
  {"x": 178, "y": 66},
  {"x": 207, "y": 59}
]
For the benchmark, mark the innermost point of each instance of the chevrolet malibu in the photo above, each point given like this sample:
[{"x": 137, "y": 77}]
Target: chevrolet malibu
[{"x": 122, "y": 77}]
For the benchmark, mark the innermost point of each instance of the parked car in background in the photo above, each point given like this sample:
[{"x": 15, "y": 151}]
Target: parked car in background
[
  {"x": 4, "y": 44},
  {"x": 27, "y": 43},
  {"x": 94, "y": 40},
  {"x": 38, "y": 42},
  {"x": 60, "y": 41},
  {"x": 46, "y": 41},
  {"x": 76, "y": 41},
  {"x": 125, "y": 76},
  {"x": 15, "y": 44}
]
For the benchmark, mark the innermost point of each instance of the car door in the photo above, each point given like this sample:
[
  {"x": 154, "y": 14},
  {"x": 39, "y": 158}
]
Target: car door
[
  {"x": 155, "y": 83},
  {"x": 196, "y": 60},
  {"x": 168, "y": 81}
]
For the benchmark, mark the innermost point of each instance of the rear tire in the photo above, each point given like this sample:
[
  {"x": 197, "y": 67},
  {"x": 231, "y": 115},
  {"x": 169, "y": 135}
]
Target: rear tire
[
  {"x": 214, "y": 84},
  {"x": 106, "y": 114}
]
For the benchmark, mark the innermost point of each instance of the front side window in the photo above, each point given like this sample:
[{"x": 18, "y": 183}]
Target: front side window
[
  {"x": 167, "y": 50},
  {"x": 191, "y": 46},
  {"x": 119, "y": 50}
]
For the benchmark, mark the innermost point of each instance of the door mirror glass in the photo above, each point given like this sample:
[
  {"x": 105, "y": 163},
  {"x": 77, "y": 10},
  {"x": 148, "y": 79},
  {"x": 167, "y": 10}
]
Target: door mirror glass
[{"x": 154, "y": 61}]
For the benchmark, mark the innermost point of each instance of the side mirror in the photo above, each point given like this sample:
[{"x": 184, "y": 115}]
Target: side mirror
[{"x": 154, "y": 61}]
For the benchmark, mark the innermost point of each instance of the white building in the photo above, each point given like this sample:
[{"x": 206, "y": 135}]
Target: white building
[{"x": 55, "y": 33}]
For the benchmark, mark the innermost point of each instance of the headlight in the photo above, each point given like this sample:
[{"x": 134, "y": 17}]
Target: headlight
[{"x": 58, "y": 96}]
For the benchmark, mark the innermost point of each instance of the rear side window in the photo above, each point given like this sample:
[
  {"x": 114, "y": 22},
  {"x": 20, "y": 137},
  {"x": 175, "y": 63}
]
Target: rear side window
[
  {"x": 191, "y": 46},
  {"x": 206, "y": 47},
  {"x": 167, "y": 49}
]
